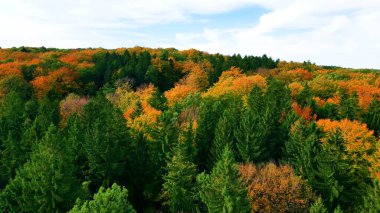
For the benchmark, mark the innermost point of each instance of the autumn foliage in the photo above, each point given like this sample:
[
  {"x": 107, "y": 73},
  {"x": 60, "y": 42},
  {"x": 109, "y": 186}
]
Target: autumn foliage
[
  {"x": 359, "y": 142},
  {"x": 70, "y": 105},
  {"x": 274, "y": 188},
  {"x": 305, "y": 113},
  {"x": 60, "y": 81},
  {"x": 195, "y": 81},
  {"x": 234, "y": 81},
  {"x": 253, "y": 134}
]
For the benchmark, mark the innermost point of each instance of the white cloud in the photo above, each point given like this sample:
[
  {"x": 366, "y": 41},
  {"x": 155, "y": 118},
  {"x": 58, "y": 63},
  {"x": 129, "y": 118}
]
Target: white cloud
[
  {"x": 344, "y": 33},
  {"x": 338, "y": 32}
]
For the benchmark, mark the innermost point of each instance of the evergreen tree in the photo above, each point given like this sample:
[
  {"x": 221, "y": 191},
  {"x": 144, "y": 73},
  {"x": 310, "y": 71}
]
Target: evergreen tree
[
  {"x": 208, "y": 117},
  {"x": 158, "y": 100},
  {"x": 74, "y": 141},
  {"x": 48, "y": 113},
  {"x": 11, "y": 149},
  {"x": 318, "y": 207},
  {"x": 223, "y": 138},
  {"x": 250, "y": 136},
  {"x": 179, "y": 188},
  {"x": 224, "y": 130},
  {"x": 142, "y": 66},
  {"x": 143, "y": 176},
  {"x": 304, "y": 98},
  {"x": 113, "y": 199},
  {"x": 324, "y": 166},
  {"x": 349, "y": 106},
  {"x": 276, "y": 106},
  {"x": 46, "y": 183},
  {"x": 152, "y": 75},
  {"x": 222, "y": 190},
  {"x": 372, "y": 117},
  {"x": 106, "y": 140},
  {"x": 372, "y": 199}
]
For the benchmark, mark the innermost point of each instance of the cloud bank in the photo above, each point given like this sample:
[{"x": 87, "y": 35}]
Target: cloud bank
[{"x": 329, "y": 32}]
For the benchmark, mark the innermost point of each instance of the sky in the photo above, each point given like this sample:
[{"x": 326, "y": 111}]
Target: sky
[{"x": 328, "y": 32}]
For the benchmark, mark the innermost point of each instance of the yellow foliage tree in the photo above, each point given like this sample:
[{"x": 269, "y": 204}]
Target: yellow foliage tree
[
  {"x": 360, "y": 143},
  {"x": 235, "y": 82}
]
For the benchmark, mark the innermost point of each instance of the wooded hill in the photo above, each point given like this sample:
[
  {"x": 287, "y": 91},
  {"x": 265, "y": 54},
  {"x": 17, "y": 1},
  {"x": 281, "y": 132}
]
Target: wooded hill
[{"x": 150, "y": 130}]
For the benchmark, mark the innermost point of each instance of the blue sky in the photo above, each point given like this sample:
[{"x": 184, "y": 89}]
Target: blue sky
[{"x": 328, "y": 32}]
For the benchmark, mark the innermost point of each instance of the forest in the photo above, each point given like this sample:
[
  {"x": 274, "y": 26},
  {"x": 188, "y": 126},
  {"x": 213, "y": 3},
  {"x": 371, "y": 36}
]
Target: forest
[{"x": 166, "y": 130}]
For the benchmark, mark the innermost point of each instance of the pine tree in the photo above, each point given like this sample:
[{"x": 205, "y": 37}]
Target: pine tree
[
  {"x": 46, "y": 183},
  {"x": 223, "y": 190},
  {"x": 179, "y": 188},
  {"x": 113, "y": 199}
]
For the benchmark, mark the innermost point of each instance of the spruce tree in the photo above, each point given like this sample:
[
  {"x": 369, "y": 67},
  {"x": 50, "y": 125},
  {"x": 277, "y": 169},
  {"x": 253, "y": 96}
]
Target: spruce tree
[
  {"x": 250, "y": 137},
  {"x": 325, "y": 167},
  {"x": 224, "y": 130},
  {"x": 46, "y": 183},
  {"x": 12, "y": 150},
  {"x": 179, "y": 188},
  {"x": 318, "y": 207},
  {"x": 158, "y": 101},
  {"x": 372, "y": 199},
  {"x": 143, "y": 176},
  {"x": 349, "y": 106},
  {"x": 372, "y": 116},
  {"x": 113, "y": 199},
  {"x": 222, "y": 190},
  {"x": 106, "y": 140},
  {"x": 209, "y": 113}
]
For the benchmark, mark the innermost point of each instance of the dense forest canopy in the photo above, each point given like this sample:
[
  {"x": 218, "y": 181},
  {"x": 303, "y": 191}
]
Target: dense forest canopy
[{"x": 149, "y": 130}]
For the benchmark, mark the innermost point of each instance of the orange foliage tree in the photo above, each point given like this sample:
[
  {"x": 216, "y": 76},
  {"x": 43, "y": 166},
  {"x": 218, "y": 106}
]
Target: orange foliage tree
[
  {"x": 61, "y": 81},
  {"x": 274, "y": 188},
  {"x": 11, "y": 68},
  {"x": 304, "y": 113},
  {"x": 299, "y": 74},
  {"x": 196, "y": 80}
]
